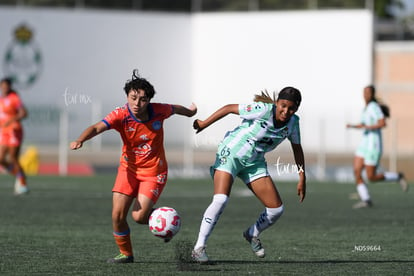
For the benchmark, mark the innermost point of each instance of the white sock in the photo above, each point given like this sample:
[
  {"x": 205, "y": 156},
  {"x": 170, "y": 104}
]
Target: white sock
[
  {"x": 391, "y": 176},
  {"x": 210, "y": 218},
  {"x": 265, "y": 220},
  {"x": 363, "y": 192}
]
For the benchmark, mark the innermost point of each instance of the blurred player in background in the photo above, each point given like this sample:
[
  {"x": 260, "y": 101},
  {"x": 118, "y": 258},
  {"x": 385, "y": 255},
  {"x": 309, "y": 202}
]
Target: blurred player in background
[
  {"x": 368, "y": 154},
  {"x": 266, "y": 123},
  {"x": 12, "y": 111},
  {"x": 143, "y": 169}
]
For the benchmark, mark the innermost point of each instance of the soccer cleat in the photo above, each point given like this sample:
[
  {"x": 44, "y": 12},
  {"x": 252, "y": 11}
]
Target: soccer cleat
[
  {"x": 354, "y": 196},
  {"x": 199, "y": 255},
  {"x": 362, "y": 204},
  {"x": 121, "y": 259},
  {"x": 255, "y": 243},
  {"x": 403, "y": 182},
  {"x": 20, "y": 189}
]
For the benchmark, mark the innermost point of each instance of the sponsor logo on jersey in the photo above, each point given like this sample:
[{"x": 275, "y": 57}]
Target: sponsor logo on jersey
[
  {"x": 284, "y": 132},
  {"x": 143, "y": 149},
  {"x": 156, "y": 125},
  {"x": 144, "y": 137}
]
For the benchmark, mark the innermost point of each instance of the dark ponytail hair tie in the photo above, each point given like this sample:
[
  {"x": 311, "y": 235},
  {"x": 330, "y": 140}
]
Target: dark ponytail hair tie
[{"x": 135, "y": 74}]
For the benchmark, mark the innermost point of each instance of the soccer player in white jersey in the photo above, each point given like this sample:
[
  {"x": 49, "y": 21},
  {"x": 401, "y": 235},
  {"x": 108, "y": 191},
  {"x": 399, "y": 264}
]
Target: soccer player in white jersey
[
  {"x": 266, "y": 123},
  {"x": 369, "y": 152}
]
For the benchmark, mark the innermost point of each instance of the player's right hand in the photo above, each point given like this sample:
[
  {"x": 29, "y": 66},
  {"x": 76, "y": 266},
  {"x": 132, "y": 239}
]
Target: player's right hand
[{"x": 75, "y": 145}]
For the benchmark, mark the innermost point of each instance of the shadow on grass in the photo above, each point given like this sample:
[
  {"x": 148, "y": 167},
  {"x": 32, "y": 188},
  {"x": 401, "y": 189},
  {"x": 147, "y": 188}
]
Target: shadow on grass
[
  {"x": 234, "y": 265},
  {"x": 236, "y": 262},
  {"x": 184, "y": 262}
]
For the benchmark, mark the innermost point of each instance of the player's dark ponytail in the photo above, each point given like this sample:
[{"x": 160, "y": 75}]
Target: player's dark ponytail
[
  {"x": 384, "y": 108},
  {"x": 137, "y": 82},
  {"x": 264, "y": 97}
]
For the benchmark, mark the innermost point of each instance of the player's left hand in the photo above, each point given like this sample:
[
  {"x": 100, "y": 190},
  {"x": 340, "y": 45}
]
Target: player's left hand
[{"x": 301, "y": 190}]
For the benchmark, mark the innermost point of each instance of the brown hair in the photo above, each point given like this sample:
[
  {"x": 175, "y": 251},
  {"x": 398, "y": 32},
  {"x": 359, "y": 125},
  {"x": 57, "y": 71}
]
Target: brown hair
[{"x": 264, "y": 97}]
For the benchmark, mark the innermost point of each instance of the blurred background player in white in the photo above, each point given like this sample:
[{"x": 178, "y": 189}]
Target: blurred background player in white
[
  {"x": 266, "y": 123},
  {"x": 12, "y": 111},
  {"x": 368, "y": 154}
]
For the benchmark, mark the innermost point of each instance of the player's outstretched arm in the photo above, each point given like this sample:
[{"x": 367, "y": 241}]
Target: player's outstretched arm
[
  {"x": 199, "y": 125},
  {"x": 300, "y": 163},
  {"x": 181, "y": 110},
  {"x": 87, "y": 134}
]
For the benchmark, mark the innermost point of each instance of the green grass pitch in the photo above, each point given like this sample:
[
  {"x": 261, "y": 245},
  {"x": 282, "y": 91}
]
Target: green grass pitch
[{"x": 63, "y": 227}]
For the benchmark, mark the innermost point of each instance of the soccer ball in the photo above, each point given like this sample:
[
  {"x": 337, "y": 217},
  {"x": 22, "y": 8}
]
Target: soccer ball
[{"x": 164, "y": 223}]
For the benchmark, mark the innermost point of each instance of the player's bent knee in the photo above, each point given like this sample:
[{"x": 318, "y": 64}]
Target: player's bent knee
[
  {"x": 118, "y": 219},
  {"x": 119, "y": 215},
  {"x": 140, "y": 217}
]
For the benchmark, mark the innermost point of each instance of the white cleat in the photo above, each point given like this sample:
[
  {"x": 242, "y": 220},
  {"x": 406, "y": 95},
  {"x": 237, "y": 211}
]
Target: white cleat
[
  {"x": 255, "y": 244},
  {"x": 199, "y": 255},
  {"x": 20, "y": 189},
  {"x": 362, "y": 204}
]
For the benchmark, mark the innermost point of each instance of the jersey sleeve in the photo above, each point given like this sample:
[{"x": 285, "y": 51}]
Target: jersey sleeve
[
  {"x": 114, "y": 119},
  {"x": 253, "y": 110},
  {"x": 294, "y": 136},
  {"x": 166, "y": 110}
]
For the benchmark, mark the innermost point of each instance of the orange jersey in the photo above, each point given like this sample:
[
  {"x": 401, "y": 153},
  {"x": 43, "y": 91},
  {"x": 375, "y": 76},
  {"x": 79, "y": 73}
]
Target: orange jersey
[
  {"x": 9, "y": 107},
  {"x": 143, "y": 150}
]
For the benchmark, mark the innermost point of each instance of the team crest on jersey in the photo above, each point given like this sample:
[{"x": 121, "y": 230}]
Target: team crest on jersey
[
  {"x": 143, "y": 149},
  {"x": 156, "y": 125}
]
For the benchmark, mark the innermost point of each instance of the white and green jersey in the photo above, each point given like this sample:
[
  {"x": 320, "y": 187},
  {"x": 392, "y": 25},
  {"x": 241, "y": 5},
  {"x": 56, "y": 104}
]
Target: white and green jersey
[
  {"x": 372, "y": 113},
  {"x": 257, "y": 133},
  {"x": 370, "y": 147}
]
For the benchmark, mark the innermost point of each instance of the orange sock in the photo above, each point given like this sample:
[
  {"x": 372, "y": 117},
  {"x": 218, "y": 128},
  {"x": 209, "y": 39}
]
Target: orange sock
[{"x": 123, "y": 240}]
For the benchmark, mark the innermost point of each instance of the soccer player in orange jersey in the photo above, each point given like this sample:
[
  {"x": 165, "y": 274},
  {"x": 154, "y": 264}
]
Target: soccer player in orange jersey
[
  {"x": 143, "y": 169},
  {"x": 12, "y": 111}
]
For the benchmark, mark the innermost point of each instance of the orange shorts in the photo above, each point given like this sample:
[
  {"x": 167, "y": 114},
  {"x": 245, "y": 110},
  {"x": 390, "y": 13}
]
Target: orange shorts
[
  {"x": 11, "y": 138},
  {"x": 131, "y": 184}
]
